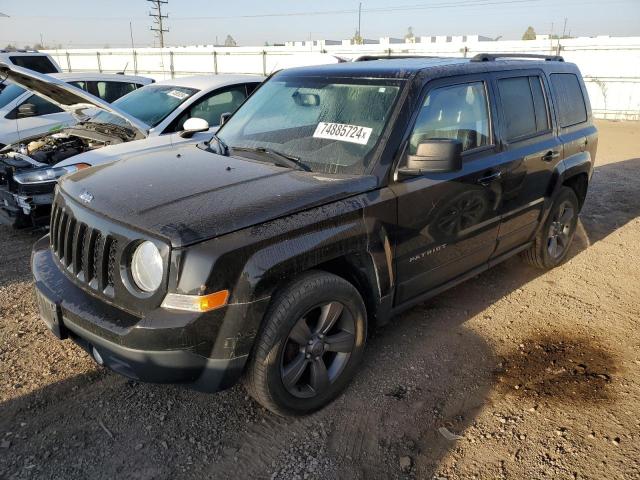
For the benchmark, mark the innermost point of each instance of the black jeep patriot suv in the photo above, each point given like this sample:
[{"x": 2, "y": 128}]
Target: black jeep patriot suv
[{"x": 334, "y": 198}]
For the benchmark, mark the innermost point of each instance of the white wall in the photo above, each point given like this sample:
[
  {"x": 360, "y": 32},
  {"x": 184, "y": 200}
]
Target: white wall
[{"x": 611, "y": 66}]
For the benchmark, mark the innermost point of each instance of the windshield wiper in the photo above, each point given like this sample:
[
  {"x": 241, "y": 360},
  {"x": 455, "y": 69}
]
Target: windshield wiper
[{"x": 279, "y": 158}]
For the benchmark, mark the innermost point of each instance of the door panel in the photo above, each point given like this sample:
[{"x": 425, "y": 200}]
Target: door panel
[
  {"x": 447, "y": 225},
  {"x": 448, "y": 222},
  {"x": 530, "y": 154}
]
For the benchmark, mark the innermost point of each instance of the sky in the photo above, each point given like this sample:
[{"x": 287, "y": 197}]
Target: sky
[{"x": 87, "y": 23}]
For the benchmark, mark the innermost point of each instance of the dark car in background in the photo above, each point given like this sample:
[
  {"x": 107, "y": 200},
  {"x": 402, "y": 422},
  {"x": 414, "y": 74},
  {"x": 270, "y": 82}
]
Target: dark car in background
[{"x": 334, "y": 198}]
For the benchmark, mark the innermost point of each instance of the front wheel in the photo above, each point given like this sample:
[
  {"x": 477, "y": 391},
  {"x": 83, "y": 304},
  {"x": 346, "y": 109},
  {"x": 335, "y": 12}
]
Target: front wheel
[
  {"x": 552, "y": 242},
  {"x": 310, "y": 345}
]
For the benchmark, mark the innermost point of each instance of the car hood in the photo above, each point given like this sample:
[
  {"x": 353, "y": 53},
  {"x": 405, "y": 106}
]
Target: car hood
[
  {"x": 187, "y": 194},
  {"x": 71, "y": 99},
  {"x": 111, "y": 153}
]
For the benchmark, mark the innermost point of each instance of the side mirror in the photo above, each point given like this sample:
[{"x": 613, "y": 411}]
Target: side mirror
[
  {"x": 27, "y": 110},
  {"x": 224, "y": 117},
  {"x": 194, "y": 125},
  {"x": 434, "y": 155}
]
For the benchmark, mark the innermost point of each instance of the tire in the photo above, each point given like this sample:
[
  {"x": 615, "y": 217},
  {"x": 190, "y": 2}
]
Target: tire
[
  {"x": 559, "y": 224},
  {"x": 285, "y": 372}
]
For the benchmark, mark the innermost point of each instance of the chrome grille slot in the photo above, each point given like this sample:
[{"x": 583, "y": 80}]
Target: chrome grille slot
[
  {"x": 111, "y": 260},
  {"x": 69, "y": 246},
  {"x": 62, "y": 229},
  {"x": 55, "y": 217},
  {"x": 78, "y": 257},
  {"x": 96, "y": 255}
]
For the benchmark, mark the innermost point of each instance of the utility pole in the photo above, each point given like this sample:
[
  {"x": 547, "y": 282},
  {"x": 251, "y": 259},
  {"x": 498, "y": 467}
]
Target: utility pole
[
  {"x": 564, "y": 29},
  {"x": 158, "y": 18},
  {"x": 131, "y": 35},
  {"x": 359, "y": 19}
]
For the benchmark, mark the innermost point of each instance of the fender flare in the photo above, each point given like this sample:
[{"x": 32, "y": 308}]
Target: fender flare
[{"x": 580, "y": 163}]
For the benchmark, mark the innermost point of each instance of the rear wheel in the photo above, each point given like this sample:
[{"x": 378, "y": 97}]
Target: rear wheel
[
  {"x": 310, "y": 346},
  {"x": 552, "y": 242}
]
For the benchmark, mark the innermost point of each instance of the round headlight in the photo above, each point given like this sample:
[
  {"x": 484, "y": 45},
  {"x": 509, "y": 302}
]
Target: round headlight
[{"x": 146, "y": 267}]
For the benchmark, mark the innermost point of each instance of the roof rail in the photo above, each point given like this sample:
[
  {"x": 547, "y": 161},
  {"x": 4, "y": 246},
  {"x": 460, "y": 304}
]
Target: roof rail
[
  {"x": 492, "y": 57},
  {"x": 367, "y": 58}
]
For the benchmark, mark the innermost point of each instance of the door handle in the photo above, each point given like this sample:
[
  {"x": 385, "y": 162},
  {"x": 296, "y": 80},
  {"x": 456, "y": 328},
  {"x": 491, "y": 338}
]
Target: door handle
[
  {"x": 550, "y": 155},
  {"x": 489, "y": 178}
]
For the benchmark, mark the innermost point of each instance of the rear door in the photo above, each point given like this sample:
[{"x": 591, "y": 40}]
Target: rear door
[
  {"x": 531, "y": 151},
  {"x": 575, "y": 128},
  {"x": 448, "y": 222}
]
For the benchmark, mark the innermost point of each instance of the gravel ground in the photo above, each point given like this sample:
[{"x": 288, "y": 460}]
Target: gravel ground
[{"x": 514, "y": 374}]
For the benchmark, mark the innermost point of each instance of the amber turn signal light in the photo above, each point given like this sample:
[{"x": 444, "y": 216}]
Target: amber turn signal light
[{"x": 196, "y": 303}]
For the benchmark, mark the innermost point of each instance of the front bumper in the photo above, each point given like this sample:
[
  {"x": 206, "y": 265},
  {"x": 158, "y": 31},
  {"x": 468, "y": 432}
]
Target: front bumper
[
  {"x": 25, "y": 210},
  {"x": 161, "y": 347}
]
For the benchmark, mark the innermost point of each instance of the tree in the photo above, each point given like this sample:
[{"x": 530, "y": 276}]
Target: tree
[
  {"x": 409, "y": 37},
  {"x": 357, "y": 39},
  {"x": 530, "y": 34},
  {"x": 230, "y": 42},
  {"x": 10, "y": 48}
]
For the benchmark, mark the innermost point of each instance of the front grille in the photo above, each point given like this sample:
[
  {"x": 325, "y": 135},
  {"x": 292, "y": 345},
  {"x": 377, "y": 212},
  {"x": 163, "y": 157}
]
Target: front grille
[
  {"x": 93, "y": 250},
  {"x": 83, "y": 250}
]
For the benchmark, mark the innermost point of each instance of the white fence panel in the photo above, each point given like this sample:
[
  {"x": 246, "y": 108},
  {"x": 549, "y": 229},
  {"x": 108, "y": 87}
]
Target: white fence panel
[{"x": 611, "y": 66}]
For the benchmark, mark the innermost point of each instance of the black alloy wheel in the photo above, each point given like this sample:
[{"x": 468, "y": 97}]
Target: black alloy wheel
[{"x": 317, "y": 350}]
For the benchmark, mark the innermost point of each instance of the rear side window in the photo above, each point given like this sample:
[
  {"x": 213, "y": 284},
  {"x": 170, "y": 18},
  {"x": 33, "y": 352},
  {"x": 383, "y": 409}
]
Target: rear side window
[
  {"x": 110, "y": 91},
  {"x": 38, "y": 63},
  {"x": 80, "y": 85},
  {"x": 524, "y": 106},
  {"x": 42, "y": 106},
  {"x": 571, "y": 107}
]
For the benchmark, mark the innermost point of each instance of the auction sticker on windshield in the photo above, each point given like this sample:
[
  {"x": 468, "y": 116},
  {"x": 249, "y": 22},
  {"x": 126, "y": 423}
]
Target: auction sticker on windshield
[
  {"x": 343, "y": 133},
  {"x": 178, "y": 94}
]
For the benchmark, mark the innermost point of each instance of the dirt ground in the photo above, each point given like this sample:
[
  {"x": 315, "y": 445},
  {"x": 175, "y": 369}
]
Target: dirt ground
[{"x": 514, "y": 374}]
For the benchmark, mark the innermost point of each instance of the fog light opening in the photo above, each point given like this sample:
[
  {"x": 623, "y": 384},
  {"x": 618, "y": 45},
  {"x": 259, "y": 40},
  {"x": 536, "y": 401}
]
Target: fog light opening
[{"x": 97, "y": 357}]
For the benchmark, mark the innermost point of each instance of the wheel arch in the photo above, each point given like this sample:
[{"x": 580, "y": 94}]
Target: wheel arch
[{"x": 573, "y": 172}]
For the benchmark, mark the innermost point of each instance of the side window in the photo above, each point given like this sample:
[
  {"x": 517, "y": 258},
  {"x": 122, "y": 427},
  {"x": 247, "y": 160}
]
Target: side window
[
  {"x": 37, "y": 63},
  {"x": 80, "y": 85},
  {"x": 110, "y": 91},
  {"x": 212, "y": 107},
  {"x": 523, "y": 106},
  {"x": 571, "y": 106},
  {"x": 251, "y": 87},
  {"x": 43, "y": 107},
  {"x": 457, "y": 112}
]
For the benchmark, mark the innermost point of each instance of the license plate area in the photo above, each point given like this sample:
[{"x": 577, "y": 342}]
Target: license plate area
[{"x": 51, "y": 314}]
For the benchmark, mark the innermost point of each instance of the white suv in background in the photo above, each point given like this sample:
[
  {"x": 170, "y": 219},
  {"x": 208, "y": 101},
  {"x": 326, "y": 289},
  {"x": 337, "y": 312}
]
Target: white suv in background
[
  {"x": 24, "y": 115},
  {"x": 31, "y": 59}
]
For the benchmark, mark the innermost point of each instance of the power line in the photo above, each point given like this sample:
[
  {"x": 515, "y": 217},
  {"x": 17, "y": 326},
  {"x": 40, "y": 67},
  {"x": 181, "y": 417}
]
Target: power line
[
  {"x": 158, "y": 17},
  {"x": 399, "y": 8}
]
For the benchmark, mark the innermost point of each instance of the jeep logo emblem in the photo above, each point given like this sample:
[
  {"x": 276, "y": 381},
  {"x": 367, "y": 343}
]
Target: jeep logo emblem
[{"x": 86, "y": 197}]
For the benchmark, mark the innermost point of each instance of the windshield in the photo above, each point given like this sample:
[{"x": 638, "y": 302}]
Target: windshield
[
  {"x": 329, "y": 125},
  {"x": 150, "y": 104},
  {"x": 9, "y": 93}
]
